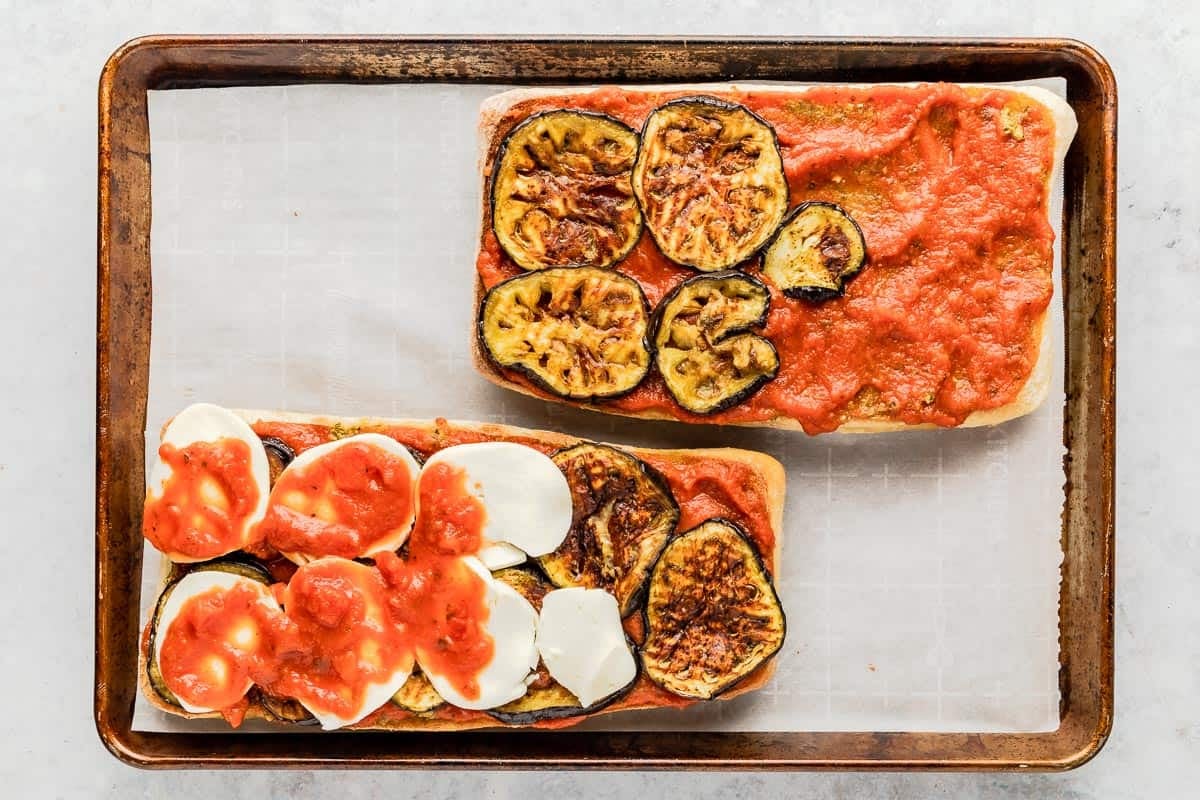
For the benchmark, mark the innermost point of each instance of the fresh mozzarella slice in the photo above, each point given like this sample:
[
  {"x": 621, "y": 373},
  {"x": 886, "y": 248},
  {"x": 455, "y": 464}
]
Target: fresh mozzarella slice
[
  {"x": 205, "y": 422},
  {"x": 375, "y": 622},
  {"x": 499, "y": 555},
  {"x": 318, "y": 505},
  {"x": 245, "y": 638},
  {"x": 512, "y": 624},
  {"x": 582, "y": 643},
  {"x": 526, "y": 496}
]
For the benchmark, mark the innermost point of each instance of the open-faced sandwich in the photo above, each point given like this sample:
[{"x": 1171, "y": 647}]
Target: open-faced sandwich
[
  {"x": 837, "y": 257},
  {"x": 390, "y": 574}
]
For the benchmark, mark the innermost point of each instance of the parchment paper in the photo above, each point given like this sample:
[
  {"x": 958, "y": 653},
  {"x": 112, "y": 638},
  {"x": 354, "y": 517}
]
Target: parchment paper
[{"x": 313, "y": 250}]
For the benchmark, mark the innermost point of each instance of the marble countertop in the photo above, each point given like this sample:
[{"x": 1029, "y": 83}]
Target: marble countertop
[{"x": 51, "y": 56}]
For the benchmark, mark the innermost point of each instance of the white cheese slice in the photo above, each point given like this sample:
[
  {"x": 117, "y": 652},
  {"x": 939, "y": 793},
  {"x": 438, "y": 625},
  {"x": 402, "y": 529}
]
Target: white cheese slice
[
  {"x": 526, "y": 496},
  {"x": 205, "y": 422},
  {"x": 582, "y": 643},
  {"x": 499, "y": 555},
  {"x": 376, "y": 693},
  {"x": 309, "y": 504},
  {"x": 243, "y": 638},
  {"x": 512, "y": 624}
]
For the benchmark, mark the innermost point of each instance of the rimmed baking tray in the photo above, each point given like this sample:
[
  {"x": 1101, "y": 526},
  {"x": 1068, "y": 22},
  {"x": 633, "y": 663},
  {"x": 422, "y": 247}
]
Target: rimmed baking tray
[{"x": 123, "y": 342}]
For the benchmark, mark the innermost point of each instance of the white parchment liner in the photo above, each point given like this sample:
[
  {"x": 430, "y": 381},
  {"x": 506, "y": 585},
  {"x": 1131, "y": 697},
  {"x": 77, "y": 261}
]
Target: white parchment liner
[{"x": 313, "y": 250}]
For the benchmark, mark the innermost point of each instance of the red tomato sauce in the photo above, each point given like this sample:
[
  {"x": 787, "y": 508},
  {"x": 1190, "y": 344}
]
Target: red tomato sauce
[
  {"x": 949, "y": 187},
  {"x": 204, "y": 505},
  {"x": 343, "y": 504}
]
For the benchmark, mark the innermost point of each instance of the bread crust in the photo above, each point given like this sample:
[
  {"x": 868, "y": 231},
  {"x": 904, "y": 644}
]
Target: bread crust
[
  {"x": 768, "y": 468},
  {"x": 1031, "y": 395}
]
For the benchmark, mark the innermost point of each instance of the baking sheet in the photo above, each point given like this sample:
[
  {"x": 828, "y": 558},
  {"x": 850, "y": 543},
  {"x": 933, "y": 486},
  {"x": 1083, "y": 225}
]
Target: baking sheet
[{"x": 313, "y": 249}]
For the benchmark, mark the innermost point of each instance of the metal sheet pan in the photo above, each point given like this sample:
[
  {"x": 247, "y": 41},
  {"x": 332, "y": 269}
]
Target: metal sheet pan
[{"x": 123, "y": 336}]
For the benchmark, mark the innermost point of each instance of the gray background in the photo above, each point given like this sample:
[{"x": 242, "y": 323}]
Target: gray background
[{"x": 51, "y": 56}]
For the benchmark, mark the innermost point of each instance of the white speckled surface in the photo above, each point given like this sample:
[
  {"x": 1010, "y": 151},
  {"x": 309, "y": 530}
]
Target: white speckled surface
[{"x": 51, "y": 58}]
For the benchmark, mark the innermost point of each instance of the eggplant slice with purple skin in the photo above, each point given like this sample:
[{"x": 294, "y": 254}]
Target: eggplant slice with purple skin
[
  {"x": 417, "y": 695},
  {"x": 623, "y": 515},
  {"x": 579, "y": 332},
  {"x": 279, "y": 455},
  {"x": 712, "y": 614},
  {"x": 285, "y": 709},
  {"x": 244, "y": 568},
  {"x": 817, "y": 250},
  {"x": 703, "y": 346},
  {"x": 546, "y": 698},
  {"x": 561, "y": 193},
  {"x": 709, "y": 178}
]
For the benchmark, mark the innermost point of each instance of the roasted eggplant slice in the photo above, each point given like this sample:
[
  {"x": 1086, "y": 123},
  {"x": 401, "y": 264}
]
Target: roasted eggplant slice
[
  {"x": 279, "y": 455},
  {"x": 703, "y": 347},
  {"x": 710, "y": 181},
  {"x": 285, "y": 709},
  {"x": 417, "y": 694},
  {"x": 246, "y": 569},
  {"x": 817, "y": 250},
  {"x": 561, "y": 194},
  {"x": 579, "y": 333},
  {"x": 712, "y": 615},
  {"x": 546, "y": 699},
  {"x": 623, "y": 515},
  {"x": 528, "y": 583}
]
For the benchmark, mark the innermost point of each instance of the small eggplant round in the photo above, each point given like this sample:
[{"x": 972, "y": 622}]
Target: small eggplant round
[
  {"x": 704, "y": 348},
  {"x": 817, "y": 250},
  {"x": 712, "y": 615},
  {"x": 555, "y": 702},
  {"x": 561, "y": 194},
  {"x": 285, "y": 709},
  {"x": 710, "y": 180},
  {"x": 279, "y": 455},
  {"x": 579, "y": 333},
  {"x": 417, "y": 695}
]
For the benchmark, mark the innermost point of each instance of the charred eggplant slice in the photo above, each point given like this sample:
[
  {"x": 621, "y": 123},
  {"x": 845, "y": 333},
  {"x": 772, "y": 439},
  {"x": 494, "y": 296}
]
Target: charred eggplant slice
[
  {"x": 623, "y": 515},
  {"x": 712, "y": 615},
  {"x": 817, "y": 250},
  {"x": 546, "y": 699},
  {"x": 245, "y": 569},
  {"x": 561, "y": 194},
  {"x": 710, "y": 181},
  {"x": 703, "y": 347},
  {"x": 579, "y": 333},
  {"x": 417, "y": 694},
  {"x": 528, "y": 583},
  {"x": 285, "y": 709},
  {"x": 279, "y": 455}
]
